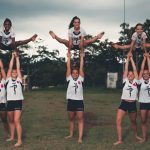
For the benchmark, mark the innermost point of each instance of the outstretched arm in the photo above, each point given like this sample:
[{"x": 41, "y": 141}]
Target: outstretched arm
[
  {"x": 142, "y": 67},
  {"x": 10, "y": 65},
  {"x": 68, "y": 72},
  {"x": 2, "y": 70},
  {"x": 126, "y": 66},
  {"x": 81, "y": 70},
  {"x": 134, "y": 68},
  {"x": 18, "y": 67}
]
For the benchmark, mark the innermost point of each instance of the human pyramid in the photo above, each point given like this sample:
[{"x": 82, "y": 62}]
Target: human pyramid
[{"x": 11, "y": 83}]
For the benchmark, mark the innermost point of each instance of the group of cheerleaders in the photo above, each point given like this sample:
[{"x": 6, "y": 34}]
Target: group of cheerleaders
[{"x": 11, "y": 103}]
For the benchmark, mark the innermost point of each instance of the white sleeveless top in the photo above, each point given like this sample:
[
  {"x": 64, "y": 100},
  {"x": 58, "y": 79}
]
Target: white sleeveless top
[
  {"x": 75, "y": 89},
  {"x": 144, "y": 94},
  {"x": 130, "y": 90},
  {"x": 6, "y": 38},
  {"x": 76, "y": 36},
  {"x": 2, "y": 91},
  {"x": 14, "y": 89},
  {"x": 138, "y": 39}
]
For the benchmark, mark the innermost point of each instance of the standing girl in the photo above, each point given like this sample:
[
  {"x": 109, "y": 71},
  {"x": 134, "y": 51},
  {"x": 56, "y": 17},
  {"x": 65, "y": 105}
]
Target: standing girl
[
  {"x": 75, "y": 106},
  {"x": 3, "y": 109},
  {"x": 128, "y": 100},
  {"x": 14, "y": 99},
  {"x": 144, "y": 95}
]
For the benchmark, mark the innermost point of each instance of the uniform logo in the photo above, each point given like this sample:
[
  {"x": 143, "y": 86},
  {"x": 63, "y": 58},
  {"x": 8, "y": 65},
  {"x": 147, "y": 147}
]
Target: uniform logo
[
  {"x": 75, "y": 87},
  {"x": 148, "y": 90},
  {"x": 130, "y": 90}
]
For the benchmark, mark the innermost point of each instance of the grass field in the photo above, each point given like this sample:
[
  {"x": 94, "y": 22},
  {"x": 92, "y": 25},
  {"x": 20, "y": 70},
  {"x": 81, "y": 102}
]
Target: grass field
[{"x": 45, "y": 122}]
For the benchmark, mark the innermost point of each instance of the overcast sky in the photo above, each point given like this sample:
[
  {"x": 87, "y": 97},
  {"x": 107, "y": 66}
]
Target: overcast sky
[{"x": 34, "y": 16}]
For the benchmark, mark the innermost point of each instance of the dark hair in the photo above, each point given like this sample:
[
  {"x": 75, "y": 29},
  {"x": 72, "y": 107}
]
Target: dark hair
[
  {"x": 71, "y": 23},
  {"x": 139, "y": 24},
  {"x": 7, "y": 20}
]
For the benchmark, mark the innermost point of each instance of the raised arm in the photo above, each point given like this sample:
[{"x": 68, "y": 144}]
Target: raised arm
[
  {"x": 18, "y": 67},
  {"x": 142, "y": 67},
  {"x": 13, "y": 41},
  {"x": 68, "y": 72},
  {"x": 81, "y": 70},
  {"x": 134, "y": 68},
  {"x": 70, "y": 44},
  {"x": 10, "y": 65},
  {"x": 132, "y": 46},
  {"x": 144, "y": 47},
  {"x": 2, "y": 70},
  {"x": 126, "y": 67},
  {"x": 148, "y": 62},
  {"x": 0, "y": 39}
]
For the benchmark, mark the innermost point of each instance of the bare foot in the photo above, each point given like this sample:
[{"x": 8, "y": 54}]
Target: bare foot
[
  {"x": 9, "y": 140},
  {"x": 142, "y": 141},
  {"x": 68, "y": 137},
  {"x": 115, "y": 45},
  {"x": 99, "y": 36},
  {"x": 138, "y": 138},
  {"x": 117, "y": 143},
  {"x": 53, "y": 35},
  {"x": 80, "y": 141},
  {"x": 34, "y": 37},
  {"x": 18, "y": 144}
]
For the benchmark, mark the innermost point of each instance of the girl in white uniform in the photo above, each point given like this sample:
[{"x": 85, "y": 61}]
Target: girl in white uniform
[
  {"x": 3, "y": 108},
  {"x": 76, "y": 36},
  {"x": 128, "y": 100},
  {"x": 7, "y": 37},
  {"x": 144, "y": 95},
  {"x": 138, "y": 41},
  {"x": 14, "y": 99},
  {"x": 75, "y": 106}
]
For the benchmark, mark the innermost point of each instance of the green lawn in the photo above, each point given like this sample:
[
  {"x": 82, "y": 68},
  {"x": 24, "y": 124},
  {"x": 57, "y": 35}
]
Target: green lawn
[{"x": 45, "y": 122}]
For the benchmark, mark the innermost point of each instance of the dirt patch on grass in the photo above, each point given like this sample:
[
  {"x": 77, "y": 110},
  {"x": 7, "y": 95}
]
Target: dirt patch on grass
[{"x": 92, "y": 120}]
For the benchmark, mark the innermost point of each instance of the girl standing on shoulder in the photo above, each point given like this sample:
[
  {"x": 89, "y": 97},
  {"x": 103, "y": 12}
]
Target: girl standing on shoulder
[
  {"x": 138, "y": 41},
  {"x": 7, "y": 37},
  {"x": 76, "y": 36}
]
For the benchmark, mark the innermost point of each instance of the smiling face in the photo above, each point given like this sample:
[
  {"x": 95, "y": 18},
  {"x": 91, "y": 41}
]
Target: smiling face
[
  {"x": 14, "y": 74},
  {"x": 131, "y": 76},
  {"x": 139, "y": 29},
  {"x": 75, "y": 74},
  {"x": 7, "y": 25},
  {"x": 76, "y": 23},
  {"x": 146, "y": 75}
]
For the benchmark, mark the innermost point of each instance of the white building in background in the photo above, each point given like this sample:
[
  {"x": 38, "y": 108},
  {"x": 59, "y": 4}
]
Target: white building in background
[
  {"x": 112, "y": 80},
  {"x": 24, "y": 82}
]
